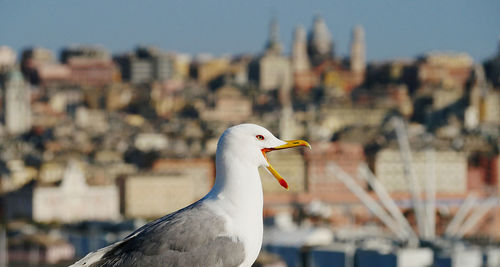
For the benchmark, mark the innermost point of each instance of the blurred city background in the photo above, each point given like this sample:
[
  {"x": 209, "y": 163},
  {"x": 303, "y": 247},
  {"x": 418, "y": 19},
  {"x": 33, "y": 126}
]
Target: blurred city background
[{"x": 111, "y": 112}]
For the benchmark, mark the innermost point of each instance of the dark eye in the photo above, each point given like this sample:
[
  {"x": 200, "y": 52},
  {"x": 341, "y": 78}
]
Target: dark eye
[{"x": 260, "y": 137}]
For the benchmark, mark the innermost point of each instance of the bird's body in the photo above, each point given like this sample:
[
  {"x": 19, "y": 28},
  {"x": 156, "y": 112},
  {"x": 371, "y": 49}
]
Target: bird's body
[{"x": 222, "y": 229}]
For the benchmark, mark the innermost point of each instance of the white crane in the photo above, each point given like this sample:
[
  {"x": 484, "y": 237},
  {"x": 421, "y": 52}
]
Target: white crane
[
  {"x": 387, "y": 201},
  {"x": 404, "y": 147},
  {"x": 369, "y": 202}
]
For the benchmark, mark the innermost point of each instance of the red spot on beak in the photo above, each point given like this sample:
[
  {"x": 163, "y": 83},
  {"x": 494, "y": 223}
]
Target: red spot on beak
[{"x": 284, "y": 183}]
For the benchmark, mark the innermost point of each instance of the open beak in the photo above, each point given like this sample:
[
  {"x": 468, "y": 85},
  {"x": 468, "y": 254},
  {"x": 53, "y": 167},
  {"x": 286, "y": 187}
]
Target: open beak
[{"x": 289, "y": 144}]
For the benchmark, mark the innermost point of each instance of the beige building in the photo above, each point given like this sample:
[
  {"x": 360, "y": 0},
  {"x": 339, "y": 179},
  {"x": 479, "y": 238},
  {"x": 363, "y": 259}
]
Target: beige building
[
  {"x": 173, "y": 184},
  {"x": 445, "y": 70},
  {"x": 230, "y": 106},
  {"x": 206, "y": 71},
  {"x": 490, "y": 108},
  {"x": 484, "y": 102},
  {"x": 292, "y": 166},
  {"x": 154, "y": 195},
  {"x": 445, "y": 97},
  {"x": 337, "y": 118},
  {"x": 275, "y": 71},
  {"x": 201, "y": 170},
  {"x": 74, "y": 200},
  {"x": 451, "y": 170},
  {"x": 181, "y": 64}
]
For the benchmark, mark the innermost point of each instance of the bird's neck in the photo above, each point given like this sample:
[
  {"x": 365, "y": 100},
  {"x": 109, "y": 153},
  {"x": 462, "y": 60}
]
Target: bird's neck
[{"x": 239, "y": 182}]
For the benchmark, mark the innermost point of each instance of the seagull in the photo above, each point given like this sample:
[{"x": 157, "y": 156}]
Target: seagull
[{"x": 224, "y": 228}]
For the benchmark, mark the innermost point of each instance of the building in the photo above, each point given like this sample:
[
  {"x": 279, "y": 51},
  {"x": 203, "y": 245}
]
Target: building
[
  {"x": 231, "y": 106},
  {"x": 338, "y": 79},
  {"x": 41, "y": 68},
  {"x": 17, "y": 102},
  {"x": 89, "y": 65},
  {"x": 39, "y": 249},
  {"x": 52, "y": 73},
  {"x": 201, "y": 170},
  {"x": 95, "y": 52},
  {"x": 445, "y": 70},
  {"x": 451, "y": 170},
  {"x": 442, "y": 98},
  {"x": 321, "y": 181},
  {"x": 32, "y": 58},
  {"x": 335, "y": 119},
  {"x": 181, "y": 65},
  {"x": 153, "y": 195},
  {"x": 274, "y": 72},
  {"x": 484, "y": 102},
  {"x": 292, "y": 166},
  {"x": 74, "y": 200},
  {"x": 135, "y": 70},
  {"x": 91, "y": 72},
  {"x": 205, "y": 70},
  {"x": 147, "y": 64},
  {"x": 311, "y": 181},
  {"x": 490, "y": 108}
]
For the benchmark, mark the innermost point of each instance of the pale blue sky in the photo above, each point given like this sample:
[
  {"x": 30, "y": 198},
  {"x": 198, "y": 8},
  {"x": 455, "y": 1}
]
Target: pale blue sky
[{"x": 394, "y": 28}]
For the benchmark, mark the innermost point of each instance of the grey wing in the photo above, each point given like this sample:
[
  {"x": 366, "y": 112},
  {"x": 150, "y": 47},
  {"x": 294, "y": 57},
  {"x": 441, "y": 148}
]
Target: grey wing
[{"x": 189, "y": 237}]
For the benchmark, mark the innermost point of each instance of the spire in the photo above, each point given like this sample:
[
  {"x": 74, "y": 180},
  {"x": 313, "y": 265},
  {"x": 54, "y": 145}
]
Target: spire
[
  {"x": 358, "y": 50},
  {"x": 273, "y": 44}
]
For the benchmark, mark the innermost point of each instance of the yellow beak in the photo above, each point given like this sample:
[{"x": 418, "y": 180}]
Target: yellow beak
[{"x": 289, "y": 144}]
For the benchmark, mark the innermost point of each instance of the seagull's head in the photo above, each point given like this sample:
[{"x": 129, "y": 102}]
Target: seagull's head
[{"x": 251, "y": 143}]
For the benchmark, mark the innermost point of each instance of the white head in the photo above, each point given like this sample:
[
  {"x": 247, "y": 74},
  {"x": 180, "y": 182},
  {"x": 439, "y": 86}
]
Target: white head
[{"x": 250, "y": 143}]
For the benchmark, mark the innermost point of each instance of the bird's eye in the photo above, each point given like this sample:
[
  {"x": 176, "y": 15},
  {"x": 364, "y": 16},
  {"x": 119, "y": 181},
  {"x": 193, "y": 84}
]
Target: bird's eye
[{"x": 260, "y": 137}]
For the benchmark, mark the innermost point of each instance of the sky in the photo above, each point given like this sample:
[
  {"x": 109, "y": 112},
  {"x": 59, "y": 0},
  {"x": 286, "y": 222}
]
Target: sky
[{"x": 393, "y": 28}]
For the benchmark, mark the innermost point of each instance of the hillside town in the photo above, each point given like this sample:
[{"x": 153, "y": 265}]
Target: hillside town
[{"x": 95, "y": 144}]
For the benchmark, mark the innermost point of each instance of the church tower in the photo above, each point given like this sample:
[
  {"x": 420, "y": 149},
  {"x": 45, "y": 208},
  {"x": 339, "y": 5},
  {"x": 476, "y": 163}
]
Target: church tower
[
  {"x": 273, "y": 46},
  {"x": 320, "y": 44},
  {"x": 274, "y": 69},
  {"x": 300, "y": 61},
  {"x": 17, "y": 103},
  {"x": 358, "y": 51}
]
